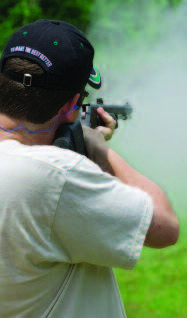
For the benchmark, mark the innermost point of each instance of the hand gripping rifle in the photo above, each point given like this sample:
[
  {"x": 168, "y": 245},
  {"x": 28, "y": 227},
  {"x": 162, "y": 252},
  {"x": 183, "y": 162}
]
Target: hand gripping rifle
[{"x": 70, "y": 136}]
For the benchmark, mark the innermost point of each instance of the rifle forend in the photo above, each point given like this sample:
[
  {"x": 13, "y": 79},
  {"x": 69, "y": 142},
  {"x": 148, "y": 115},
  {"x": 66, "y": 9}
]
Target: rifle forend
[
  {"x": 90, "y": 118},
  {"x": 70, "y": 136}
]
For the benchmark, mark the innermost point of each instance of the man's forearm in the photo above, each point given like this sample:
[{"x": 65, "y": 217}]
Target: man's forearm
[
  {"x": 124, "y": 172},
  {"x": 164, "y": 227}
]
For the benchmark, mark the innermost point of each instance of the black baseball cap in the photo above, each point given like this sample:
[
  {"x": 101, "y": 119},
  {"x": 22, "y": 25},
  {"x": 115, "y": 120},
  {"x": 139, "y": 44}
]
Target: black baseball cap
[{"x": 60, "y": 49}]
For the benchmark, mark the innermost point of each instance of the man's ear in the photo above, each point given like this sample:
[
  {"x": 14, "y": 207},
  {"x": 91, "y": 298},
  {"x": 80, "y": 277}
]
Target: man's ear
[
  {"x": 67, "y": 112},
  {"x": 69, "y": 105},
  {"x": 74, "y": 100}
]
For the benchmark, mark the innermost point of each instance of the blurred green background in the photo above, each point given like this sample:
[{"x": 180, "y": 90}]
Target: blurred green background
[
  {"x": 15, "y": 13},
  {"x": 141, "y": 49}
]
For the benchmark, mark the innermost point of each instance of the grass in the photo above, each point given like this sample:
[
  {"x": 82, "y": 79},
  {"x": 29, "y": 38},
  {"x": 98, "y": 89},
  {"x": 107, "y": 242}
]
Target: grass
[{"x": 157, "y": 286}]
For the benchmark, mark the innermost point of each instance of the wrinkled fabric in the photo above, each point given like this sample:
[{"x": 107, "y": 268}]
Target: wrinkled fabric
[{"x": 64, "y": 224}]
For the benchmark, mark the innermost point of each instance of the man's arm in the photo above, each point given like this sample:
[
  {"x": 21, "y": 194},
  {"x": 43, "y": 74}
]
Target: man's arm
[{"x": 164, "y": 228}]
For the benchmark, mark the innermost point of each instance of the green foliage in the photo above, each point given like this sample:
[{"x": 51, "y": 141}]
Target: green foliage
[
  {"x": 76, "y": 12},
  {"x": 157, "y": 286},
  {"x": 14, "y": 14},
  {"x": 174, "y": 3},
  {"x": 4, "y": 7}
]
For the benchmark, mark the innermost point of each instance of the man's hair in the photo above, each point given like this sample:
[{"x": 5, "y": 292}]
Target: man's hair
[{"x": 33, "y": 104}]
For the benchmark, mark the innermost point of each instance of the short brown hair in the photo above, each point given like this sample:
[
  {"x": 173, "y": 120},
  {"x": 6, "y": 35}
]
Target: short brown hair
[{"x": 33, "y": 104}]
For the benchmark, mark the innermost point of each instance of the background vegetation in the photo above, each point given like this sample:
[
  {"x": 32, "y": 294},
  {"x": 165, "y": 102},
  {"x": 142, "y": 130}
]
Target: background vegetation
[
  {"x": 15, "y": 13},
  {"x": 157, "y": 287}
]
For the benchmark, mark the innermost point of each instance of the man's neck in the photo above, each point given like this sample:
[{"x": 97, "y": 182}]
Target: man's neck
[{"x": 30, "y": 134}]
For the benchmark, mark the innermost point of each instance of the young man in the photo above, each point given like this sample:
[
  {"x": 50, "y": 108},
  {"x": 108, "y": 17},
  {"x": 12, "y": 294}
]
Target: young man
[{"x": 65, "y": 220}]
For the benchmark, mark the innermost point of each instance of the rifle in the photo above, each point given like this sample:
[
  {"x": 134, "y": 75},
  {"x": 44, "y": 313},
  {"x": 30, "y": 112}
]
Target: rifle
[{"x": 70, "y": 136}]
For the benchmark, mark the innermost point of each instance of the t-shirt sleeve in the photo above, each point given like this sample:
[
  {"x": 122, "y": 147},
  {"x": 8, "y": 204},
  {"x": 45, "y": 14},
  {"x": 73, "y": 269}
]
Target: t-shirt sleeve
[{"x": 100, "y": 220}]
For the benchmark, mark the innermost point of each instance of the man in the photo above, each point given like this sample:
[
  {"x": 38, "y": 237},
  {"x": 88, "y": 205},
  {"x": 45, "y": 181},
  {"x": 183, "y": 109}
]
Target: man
[{"x": 65, "y": 220}]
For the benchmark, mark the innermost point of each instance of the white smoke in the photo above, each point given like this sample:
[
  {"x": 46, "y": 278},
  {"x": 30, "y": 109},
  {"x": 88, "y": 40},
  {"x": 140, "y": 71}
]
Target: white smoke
[{"x": 147, "y": 66}]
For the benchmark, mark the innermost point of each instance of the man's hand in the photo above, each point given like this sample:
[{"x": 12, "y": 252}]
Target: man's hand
[
  {"x": 97, "y": 148},
  {"x": 95, "y": 140},
  {"x": 108, "y": 130}
]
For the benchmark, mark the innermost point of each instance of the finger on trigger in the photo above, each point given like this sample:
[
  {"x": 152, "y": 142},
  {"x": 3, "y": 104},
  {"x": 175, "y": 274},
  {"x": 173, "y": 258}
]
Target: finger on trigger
[
  {"x": 101, "y": 111},
  {"x": 105, "y": 116}
]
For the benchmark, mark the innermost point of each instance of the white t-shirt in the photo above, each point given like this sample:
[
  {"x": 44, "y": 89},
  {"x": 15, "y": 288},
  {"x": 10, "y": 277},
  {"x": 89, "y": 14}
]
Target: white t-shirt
[{"x": 64, "y": 224}]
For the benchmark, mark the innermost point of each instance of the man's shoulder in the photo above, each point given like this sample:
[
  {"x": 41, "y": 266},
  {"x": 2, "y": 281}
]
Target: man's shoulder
[
  {"x": 55, "y": 156},
  {"x": 45, "y": 154}
]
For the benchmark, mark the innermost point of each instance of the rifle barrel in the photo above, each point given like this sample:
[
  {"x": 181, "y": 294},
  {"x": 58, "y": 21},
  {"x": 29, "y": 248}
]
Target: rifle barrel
[{"x": 125, "y": 109}]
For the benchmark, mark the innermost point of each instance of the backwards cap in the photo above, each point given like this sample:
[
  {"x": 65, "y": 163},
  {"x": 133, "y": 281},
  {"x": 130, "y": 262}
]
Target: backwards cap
[{"x": 60, "y": 49}]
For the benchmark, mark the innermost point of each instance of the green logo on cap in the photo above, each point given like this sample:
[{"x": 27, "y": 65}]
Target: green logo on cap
[{"x": 96, "y": 76}]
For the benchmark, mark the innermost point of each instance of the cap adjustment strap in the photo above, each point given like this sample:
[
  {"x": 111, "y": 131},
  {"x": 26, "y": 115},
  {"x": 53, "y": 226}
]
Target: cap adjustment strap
[{"x": 27, "y": 79}]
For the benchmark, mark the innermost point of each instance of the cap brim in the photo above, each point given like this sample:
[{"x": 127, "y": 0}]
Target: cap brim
[{"x": 95, "y": 78}]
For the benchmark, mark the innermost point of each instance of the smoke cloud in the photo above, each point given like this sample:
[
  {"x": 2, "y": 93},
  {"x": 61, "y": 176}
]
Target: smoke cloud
[{"x": 141, "y": 52}]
